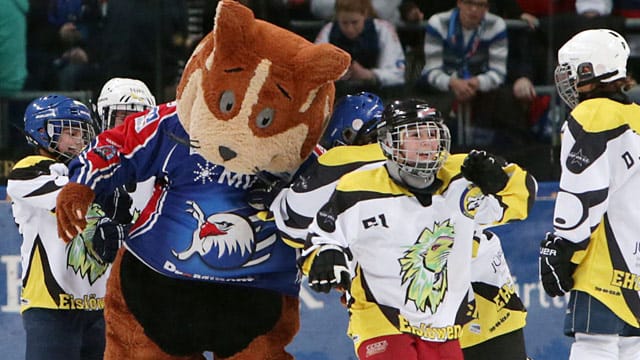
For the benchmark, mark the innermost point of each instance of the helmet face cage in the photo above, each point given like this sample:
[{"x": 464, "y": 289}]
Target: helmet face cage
[
  {"x": 419, "y": 148},
  {"x": 74, "y": 134},
  {"x": 566, "y": 85},
  {"x": 110, "y": 114}
]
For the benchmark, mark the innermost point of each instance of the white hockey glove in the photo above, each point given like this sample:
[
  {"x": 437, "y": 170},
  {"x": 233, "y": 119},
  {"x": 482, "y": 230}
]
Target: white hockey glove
[{"x": 329, "y": 269}]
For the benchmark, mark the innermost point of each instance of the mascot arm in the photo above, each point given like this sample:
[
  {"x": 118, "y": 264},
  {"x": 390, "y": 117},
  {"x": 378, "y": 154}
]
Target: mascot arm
[
  {"x": 72, "y": 205},
  {"x": 129, "y": 153},
  {"x": 118, "y": 156}
]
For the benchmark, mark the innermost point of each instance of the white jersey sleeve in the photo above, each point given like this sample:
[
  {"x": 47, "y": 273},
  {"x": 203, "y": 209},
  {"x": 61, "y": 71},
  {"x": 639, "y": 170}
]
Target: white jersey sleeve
[{"x": 36, "y": 181}]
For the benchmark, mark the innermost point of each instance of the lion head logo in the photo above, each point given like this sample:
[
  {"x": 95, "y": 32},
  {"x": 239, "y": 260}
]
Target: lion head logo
[{"x": 424, "y": 267}]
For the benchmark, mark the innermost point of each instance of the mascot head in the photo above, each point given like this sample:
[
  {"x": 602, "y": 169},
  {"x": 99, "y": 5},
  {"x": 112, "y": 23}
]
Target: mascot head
[{"x": 254, "y": 96}]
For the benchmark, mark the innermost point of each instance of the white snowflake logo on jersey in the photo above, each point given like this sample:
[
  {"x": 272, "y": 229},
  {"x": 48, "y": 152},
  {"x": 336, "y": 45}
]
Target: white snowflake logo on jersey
[{"x": 205, "y": 173}]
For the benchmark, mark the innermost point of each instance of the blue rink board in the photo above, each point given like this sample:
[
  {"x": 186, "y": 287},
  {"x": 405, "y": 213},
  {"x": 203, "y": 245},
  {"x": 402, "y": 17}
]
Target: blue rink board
[{"x": 323, "y": 319}]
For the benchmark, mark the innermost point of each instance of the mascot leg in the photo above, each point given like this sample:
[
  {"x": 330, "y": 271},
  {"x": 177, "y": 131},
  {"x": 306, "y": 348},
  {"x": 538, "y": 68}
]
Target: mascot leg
[
  {"x": 125, "y": 336},
  {"x": 271, "y": 346}
]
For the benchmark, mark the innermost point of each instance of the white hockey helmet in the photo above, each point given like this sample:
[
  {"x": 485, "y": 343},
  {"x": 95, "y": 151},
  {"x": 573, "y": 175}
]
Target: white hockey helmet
[
  {"x": 125, "y": 94},
  {"x": 591, "y": 56}
]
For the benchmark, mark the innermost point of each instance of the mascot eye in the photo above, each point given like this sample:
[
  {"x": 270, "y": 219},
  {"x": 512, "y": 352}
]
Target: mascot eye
[
  {"x": 227, "y": 100},
  {"x": 265, "y": 118}
]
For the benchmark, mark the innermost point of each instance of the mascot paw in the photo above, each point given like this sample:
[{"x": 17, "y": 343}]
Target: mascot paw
[{"x": 72, "y": 205}]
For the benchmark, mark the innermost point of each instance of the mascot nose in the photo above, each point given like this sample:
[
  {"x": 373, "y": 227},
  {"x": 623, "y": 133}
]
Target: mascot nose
[{"x": 226, "y": 153}]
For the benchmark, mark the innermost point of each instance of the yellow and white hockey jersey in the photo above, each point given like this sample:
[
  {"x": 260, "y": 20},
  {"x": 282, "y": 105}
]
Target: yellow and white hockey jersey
[
  {"x": 497, "y": 309},
  {"x": 55, "y": 275},
  {"x": 598, "y": 202},
  {"x": 294, "y": 208},
  {"x": 413, "y": 261}
]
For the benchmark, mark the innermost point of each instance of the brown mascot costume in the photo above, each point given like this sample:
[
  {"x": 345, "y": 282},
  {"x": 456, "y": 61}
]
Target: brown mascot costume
[{"x": 201, "y": 270}]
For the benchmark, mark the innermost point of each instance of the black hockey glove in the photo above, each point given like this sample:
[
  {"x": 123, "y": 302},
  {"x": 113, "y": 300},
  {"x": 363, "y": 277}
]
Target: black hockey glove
[
  {"x": 117, "y": 206},
  {"x": 485, "y": 170},
  {"x": 556, "y": 268},
  {"x": 264, "y": 190},
  {"x": 108, "y": 238},
  {"x": 329, "y": 270}
]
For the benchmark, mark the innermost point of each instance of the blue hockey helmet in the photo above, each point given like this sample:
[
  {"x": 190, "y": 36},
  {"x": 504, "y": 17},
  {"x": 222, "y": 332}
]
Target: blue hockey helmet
[
  {"x": 353, "y": 121},
  {"x": 45, "y": 119}
]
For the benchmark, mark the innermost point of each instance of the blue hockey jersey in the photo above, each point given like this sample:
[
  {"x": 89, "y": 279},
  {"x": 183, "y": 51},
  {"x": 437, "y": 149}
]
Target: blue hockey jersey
[{"x": 197, "y": 224}]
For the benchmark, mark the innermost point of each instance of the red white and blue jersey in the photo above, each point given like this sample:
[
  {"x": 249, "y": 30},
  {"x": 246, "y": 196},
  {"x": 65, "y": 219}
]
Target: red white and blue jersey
[{"x": 197, "y": 224}]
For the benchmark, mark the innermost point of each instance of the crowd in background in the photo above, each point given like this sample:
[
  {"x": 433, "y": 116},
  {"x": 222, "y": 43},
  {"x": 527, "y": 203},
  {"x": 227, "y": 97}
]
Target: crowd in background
[{"x": 76, "y": 45}]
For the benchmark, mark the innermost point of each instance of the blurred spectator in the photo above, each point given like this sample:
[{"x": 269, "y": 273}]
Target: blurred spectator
[
  {"x": 61, "y": 40},
  {"x": 146, "y": 40},
  {"x": 418, "y": 10},
  {"x": 414, "y": 12},
  {"x": 13, "y": 45},
  {"x": 384, "y": 9},
  {"x": 377, "y": 59},
  {"x": 466, "y": 52}
]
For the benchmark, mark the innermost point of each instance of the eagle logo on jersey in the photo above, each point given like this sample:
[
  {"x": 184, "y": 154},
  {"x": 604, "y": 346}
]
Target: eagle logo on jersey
[
  {"x": 81, "y": 256},
  {"x": 424, "y": 267},
  {"x": 225, "y": 241}
]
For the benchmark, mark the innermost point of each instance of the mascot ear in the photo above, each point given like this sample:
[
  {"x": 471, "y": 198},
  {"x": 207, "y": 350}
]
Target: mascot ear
[
  {"x": 320, "y": 64},
  {"x": 234, "y": 19}
]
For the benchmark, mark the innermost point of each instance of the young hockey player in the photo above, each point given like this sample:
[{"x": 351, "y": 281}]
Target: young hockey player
[
  {"x": 411, "y": 187},
  {"x": 119, "y": 98},
  {"x": 592, "y": 252},
  {"x": 63, "y": 285},
  {"x": 500, "y": 316}
]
